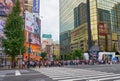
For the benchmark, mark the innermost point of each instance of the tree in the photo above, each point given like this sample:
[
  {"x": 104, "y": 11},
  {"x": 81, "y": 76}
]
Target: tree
[
  {"x": 68, "y": 56},
  {"x": 55, "y": 57},
  {"x": 43, "y": 55},
  {"x": 78, "y": 53},
  {"x": 13, "y": 42}
]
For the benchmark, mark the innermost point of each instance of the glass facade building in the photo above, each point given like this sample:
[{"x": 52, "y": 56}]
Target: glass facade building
[
  {"x": 66, "y": 23},
  {"x": 67, "y": 14},
  {"x": 104, "y": 21}
]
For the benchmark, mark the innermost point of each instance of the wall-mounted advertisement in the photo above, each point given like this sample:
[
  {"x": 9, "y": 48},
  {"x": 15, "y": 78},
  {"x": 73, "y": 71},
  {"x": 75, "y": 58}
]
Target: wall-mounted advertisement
[
  {"x": 37, "y": 25},
  {"x": 29, "y": 22},
  {"x": 2, "y": 25},
  {"x": 6, "y": 7},
  {"x": 36, "y": 5},
  {"x": 102, "y": 28},
  {"x": 33, "y": 27},
  {"x": 32, "y": 23},
  {"x": 35, "y": 39}
]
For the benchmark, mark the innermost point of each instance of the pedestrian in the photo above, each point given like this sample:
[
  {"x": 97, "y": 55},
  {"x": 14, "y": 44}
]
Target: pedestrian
[{"x": 40, "y": 63}]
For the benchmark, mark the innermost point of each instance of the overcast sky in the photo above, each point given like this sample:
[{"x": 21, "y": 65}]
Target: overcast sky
[{"x": 49, "y": 14}]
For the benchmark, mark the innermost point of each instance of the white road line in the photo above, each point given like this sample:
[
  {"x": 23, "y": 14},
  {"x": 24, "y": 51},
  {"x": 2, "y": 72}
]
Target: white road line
[
  {"x": 92, "y": 78},
  {"x": 107, "y": 78},
  {"x": 17, "y": 73},
  {"x": 76, "y": 76},
  {"x": 117, "y": 80},
  {"x": 80, "y": 76},
  {"x": 69, "y": 74}
]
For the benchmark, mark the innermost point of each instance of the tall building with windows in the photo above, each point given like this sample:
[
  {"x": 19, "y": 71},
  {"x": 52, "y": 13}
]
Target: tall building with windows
[
  {"x": 66, "y": 23},
  {"x": 4, "y": 12},
  {"x": 103, "y": 22},
  {"x": 35, "y": 45}
]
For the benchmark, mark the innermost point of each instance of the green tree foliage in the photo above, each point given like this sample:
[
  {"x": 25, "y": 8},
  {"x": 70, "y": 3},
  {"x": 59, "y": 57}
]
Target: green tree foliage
[
  {"x": 68, "y": 56},
  {"x": 13, "y": 42},
  {"x": 55, "y": 57},
  {"x": 78, "y": 53},
  {"x": 43, "y": 55}
]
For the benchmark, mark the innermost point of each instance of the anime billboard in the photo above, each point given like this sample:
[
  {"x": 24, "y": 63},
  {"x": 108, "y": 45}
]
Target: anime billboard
[{"x": 7, "y": 5}]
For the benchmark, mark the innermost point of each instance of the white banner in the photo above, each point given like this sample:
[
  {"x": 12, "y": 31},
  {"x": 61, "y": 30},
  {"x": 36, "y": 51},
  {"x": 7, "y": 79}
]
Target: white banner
[{"x": 29, "y": 22}]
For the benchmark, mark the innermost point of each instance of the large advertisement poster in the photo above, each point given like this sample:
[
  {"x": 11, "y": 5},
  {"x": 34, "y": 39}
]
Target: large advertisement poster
[
  {"x": 35, "y": 39},
  {"x": 36, "y": 5},
  {"x": 36, "y": 25},
  {"x": 6, "y": 7},
  {"x": 29, "y": 22},
  {"x": 2, "y": 25},
  {"x": 102, "y": 29},
  {"x": 32, "y": 23},
  {"x": 33, "y": 27}
]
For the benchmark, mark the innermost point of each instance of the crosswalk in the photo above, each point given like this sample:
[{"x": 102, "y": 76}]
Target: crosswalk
[
  {"x": 71, "y": 74},
  {"x": 3, "y": 73},
  {"x": 11, "y": 73}
]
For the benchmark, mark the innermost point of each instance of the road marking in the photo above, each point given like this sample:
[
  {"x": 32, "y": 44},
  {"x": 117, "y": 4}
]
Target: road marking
[
  {"x": 70, "y": 74},
  {"x": 102, "y": 79},
  {"x": 117, "y": 80},
  {"x": 92, "y": 78},
  {"x": 17, "y": 73}
]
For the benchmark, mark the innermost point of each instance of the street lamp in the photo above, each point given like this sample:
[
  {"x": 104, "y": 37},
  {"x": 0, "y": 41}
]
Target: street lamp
[
  {"x": 29, "y": 50},
  {"x": 53, "y": 51}
]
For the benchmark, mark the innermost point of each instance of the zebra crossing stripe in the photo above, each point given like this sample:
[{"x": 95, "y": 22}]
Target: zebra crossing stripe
[
  {"x": 55, "y": 76},
  {"x": 17, "y": 73},
  {"x": 107, "y": 78},
  {"x": 117, "y": 80},
  {"x": 76, "y": 76},
  {"x": 68, "y": 74},
  {"x": 92, "y": 78}
]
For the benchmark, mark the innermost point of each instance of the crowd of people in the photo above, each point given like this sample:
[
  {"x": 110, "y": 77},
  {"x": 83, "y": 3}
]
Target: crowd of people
[{"x": 60, "y": 63}]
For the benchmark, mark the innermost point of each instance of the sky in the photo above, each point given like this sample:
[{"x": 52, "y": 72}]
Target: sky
[{"x": 49, "y": 15}]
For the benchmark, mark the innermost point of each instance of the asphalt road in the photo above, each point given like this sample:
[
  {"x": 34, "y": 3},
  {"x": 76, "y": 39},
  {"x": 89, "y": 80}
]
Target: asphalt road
[
  {"x": 67, "y": 73},
  {"x": 114, "y": 68},
  {"x": 25, "y": 75}
]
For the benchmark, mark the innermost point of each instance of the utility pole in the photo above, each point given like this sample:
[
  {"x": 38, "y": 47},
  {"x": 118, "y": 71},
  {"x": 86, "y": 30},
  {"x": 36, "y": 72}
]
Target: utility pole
[{"x": 29, "y": 49}]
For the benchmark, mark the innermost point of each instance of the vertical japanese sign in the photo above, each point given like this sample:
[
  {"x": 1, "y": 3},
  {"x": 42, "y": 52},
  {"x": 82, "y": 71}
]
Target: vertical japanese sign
[
  {"x": 36, "y": 5},
  {"x": 29, "y": 22},
  {"x": 2, "y": 25}
]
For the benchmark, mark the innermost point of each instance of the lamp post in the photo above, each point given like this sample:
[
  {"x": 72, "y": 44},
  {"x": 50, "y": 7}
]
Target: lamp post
[
  {"x": 29, "y": 50},
  {"x": 53, "y": 51}
]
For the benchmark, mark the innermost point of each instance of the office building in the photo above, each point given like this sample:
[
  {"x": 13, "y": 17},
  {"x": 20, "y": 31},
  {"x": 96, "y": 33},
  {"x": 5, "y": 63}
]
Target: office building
[
  {"x": 25, "y": 5},
  {"x": 34, "y": 35},
  {"x": 66, "y": 23},
  {"x": 102, "y": 22}
]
